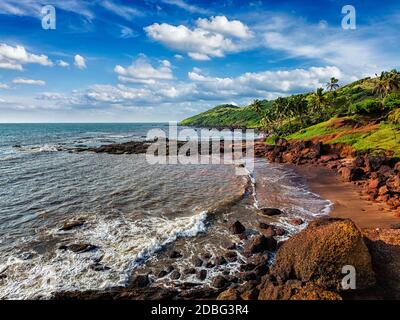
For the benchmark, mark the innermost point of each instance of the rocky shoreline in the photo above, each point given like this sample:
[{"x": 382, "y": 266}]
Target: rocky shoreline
[
  {"x": 309, "y": 265},
  {"x": 378, "y": 175}
]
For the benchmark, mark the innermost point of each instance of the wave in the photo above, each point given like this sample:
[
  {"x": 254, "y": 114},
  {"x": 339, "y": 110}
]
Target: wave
[{"x": 122, "y": 247}]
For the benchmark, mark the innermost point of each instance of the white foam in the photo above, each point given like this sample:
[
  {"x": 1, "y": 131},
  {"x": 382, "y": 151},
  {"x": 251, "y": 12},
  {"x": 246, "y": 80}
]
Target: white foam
[{"x": 122, "y": 247}]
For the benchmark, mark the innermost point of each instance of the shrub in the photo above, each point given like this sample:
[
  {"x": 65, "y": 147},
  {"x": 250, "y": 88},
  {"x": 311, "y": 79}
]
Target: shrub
[
  {"x": 365, "y": 107},
  {"x": 392, "y": 101},
  {"x": 394, "y": 116}
]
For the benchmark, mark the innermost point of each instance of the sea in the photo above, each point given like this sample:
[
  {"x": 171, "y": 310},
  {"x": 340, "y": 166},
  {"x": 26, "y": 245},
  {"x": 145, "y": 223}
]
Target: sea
[{"x": 135, "y": 213}]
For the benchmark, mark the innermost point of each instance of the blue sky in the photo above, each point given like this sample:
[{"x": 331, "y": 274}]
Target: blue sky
[{"x": 148, "y": 60}]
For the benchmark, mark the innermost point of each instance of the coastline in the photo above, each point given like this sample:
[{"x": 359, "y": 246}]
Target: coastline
[{"x": 346, "y": 197}]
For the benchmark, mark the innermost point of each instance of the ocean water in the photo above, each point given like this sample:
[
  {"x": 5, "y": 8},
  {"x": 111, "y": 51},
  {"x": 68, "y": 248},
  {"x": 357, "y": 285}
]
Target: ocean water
[{"x": 135, "y": 212}]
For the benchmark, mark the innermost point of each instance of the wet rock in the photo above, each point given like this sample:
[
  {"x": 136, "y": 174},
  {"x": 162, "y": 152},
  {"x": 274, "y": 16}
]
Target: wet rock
[
  {"x": 220, "y": 261},
  {"x": 247, "y": 276},
  {"x": 219, "y": 282},
  {"x": 79, "y": 247},
  {"x": 251, "y": 294},
  {"x": 237, "y": 228},
  {"x": 260, "y": 243},
  {"x": 69, "y": 225},
  {"x": 201, "y": 274},
  {"x": 231, "y": 246},
  {"x": 175, "y": 275},
  {"x": 175, "y": 254},
  {"x": 263, "y": 225},
  {"x": 162, "y": 274},
  {"x": 210, "y": 265},
  {"x": 296, "y": 221},
  {"x": 207, "y": 256},
  {"x": 280, "y": 231},
  {"x": 170, "y": 269},
  {"x": 189, "y": 271},
  {"x": 319, "y": 253},
  {"x": 99, "y": 267},
  {"x": 270, "y": 211},
  {"x": 229, "y": 294},
  {"x": 198, "y": 262},
  {"x": 269, "y": 232},
  {"x": 139, "y": 281},
  {"x": 231, "y": 256}
]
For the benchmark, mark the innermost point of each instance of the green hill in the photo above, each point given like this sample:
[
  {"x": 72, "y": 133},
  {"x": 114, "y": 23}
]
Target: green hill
[{"x": 364, "y": 114}]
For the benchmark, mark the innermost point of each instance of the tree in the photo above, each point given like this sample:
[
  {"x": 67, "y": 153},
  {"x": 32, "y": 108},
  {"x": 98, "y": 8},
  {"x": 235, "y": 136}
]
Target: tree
[
  {"x": 257, "y": 107},
  {"x": 386, "y": 83},
  {"x": 317, "y": 102},
  {"x": 332, "y": 85},
  {"x": 298, "y": 106}
]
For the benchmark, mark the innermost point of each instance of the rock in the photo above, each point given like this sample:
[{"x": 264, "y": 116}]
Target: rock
[
  {"x": 231, "y": 246},
  {"x": 175, "y": 254},
  {"x": 247, "y": 276},
  {"x": 201, "y": 274},
  {"x": 220, "y": 261},
  {"x": 263, "y": 225},
  {"x": 269, "y": 232},
  {"x": 393, "y": 183},
  {"x": 162, "y": 274},
  {"x": 397, "y": 167},
  {"x": 260, "y": 243},
  {"x": 237, "y": 228},
  {"x": 99, "y": 267},
  {"x": 219, "y": 282},
  {"x": 139, "y": 281},
  {"x": 319, "y": 253},
  {"x": 198, "y": 262},
  {"x": 79, "y": 247},
  {"x": 175, "y": 275},
  {"x": 69, "y": 225},
  {"x": 251, "y": 294},
  {"x": 231, "y": 256},
  {"x": 210, "y": 265},
  {"x": 329, "y": 157},
  {"x": 395, "y": 226},
  {"x": 189, "y": 271},
  {"x": 229, "y": 294},
  {"x": 270, "y": 212},
  {"x": 358, "y": 162},
  {"x": 206, "y": 256},
  {"x": 296, "y": 221},
  {"x": 373, "y": 163},
  {"x": 351, "y": 174}
]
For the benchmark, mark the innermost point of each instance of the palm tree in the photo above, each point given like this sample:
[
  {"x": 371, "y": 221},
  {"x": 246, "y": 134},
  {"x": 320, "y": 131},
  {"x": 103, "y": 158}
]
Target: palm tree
[
  {"x": 387, "y": 83},
  {"x": 298, "y": 106},
  {"x": 318, "y": 102},
  {"x": 257, "y": 106},
  {"x": 332, "y": 85}
]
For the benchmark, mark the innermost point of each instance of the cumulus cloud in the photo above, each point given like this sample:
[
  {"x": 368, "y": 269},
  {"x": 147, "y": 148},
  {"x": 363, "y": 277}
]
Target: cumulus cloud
[
  {"x": 141, "y": 71},
  {"x": 220, "y": 24},
  {"x": 3, "y": 86},
  {"x": 29, "y": 82},
  {"x": 15, "y": 57},
  {"x": 63, "y": 64},
  {"x": 211, "y": 38},
  {"x": 80, "y": 62}
]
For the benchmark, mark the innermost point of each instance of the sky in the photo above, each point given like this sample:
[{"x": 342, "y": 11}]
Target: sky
[{"x": 165, "y": 60}]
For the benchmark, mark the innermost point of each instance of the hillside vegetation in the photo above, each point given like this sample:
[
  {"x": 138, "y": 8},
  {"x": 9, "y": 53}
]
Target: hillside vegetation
[{"x": 364, "y": 114}]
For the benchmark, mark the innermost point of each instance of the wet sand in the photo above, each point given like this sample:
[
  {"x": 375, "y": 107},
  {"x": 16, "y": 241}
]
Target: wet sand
[{"x": 346, "y": 197}]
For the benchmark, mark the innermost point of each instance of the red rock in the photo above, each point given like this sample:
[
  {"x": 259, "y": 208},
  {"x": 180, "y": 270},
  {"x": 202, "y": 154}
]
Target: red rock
[
  {"x": 260, "y": 243},
  {"x": 329, "y": 157},
  {"x": 351, "y": 174},
  {"x": 296, "y": 221}
]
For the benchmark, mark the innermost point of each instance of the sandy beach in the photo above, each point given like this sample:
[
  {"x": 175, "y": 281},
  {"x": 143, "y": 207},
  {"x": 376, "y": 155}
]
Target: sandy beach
[{"x": 346, "y": 197}]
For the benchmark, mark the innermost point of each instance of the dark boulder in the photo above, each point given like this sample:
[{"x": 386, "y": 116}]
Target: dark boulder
[{"x": 237, "y": 228}]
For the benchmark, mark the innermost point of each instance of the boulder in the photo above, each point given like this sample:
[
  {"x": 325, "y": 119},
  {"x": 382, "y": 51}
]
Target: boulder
[
  {"x": 175, "y": 254},
  {"x": 319, "y": 253},
  {"x": 260, "y": 243},
  {"x": 79, "y": 247},
  {"x": 270, "y": 211},
  {"x": 296, "y": 221},
  {"x": 219, "y": 282},
  {"x": 201, "y": 274},
  {"x": 231, "y": 256},
  {"x": 69, "y": 225},
  {"x": 351, "y": 174},
  {"x": 229, "y": 294},
  {"x": 139, "y": 281},
  {"x": 237, "y": 228}
]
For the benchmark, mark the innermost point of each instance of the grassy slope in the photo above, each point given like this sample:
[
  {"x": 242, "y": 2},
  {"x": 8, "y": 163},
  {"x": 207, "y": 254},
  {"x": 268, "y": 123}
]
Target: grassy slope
[
  {"x": 226, "y": 115},
  {"x": 360, "y": 137}
]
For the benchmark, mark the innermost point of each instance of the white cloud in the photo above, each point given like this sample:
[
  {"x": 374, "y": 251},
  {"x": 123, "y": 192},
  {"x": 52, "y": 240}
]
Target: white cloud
[
  {"x": 178, "y": 57},
  {"x": 125, "y": 12},
  {"x": 200, "y": 44},
  {"x": 33, "y": 8},
  {"x": 80, "y": 62},
  {"x": 186, "y": 6},
  {"x": 3, "y": 86},
  {"x": 127, "y": 33},
  {"x": 15, "y": 57},
  {"x": 141, "y": 71},
  {"x": 63, "y": 64},
  {"x": 220, "y": 24},
  {"x": 29, "y": 82}
]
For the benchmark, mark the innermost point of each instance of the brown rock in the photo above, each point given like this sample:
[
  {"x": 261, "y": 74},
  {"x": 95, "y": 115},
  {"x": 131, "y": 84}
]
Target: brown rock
[
  {"x": 237, "y": 228},
  {"x": 270, "y": 212},
  {"x": 139, "y": 281},
  {"x": 79, "y": 247},
  {"x": 229, "y": 294},
  {"x": 219, "y": 261},
  {"x": 296, "y": 221},
  {"x": 69, "y": 225},
  {"x": 319, "y": 253},
  {"x": 201, "y": 274},
  {"x": 351, "y": 174},
  {"x": 231, "y": 256},
  {"x": 260, "y": 243},
  {"x": 198, "y": 262},
  {"x": 175, "y": 254},
  {"x": 219, "y": 282}
]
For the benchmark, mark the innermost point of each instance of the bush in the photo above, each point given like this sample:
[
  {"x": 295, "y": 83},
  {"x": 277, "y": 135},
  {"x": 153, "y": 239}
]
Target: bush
[
  {"x": 392, "y": 101},
  {"x": 365, "y": 107},
  {"x": 394, "y": 116}
]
